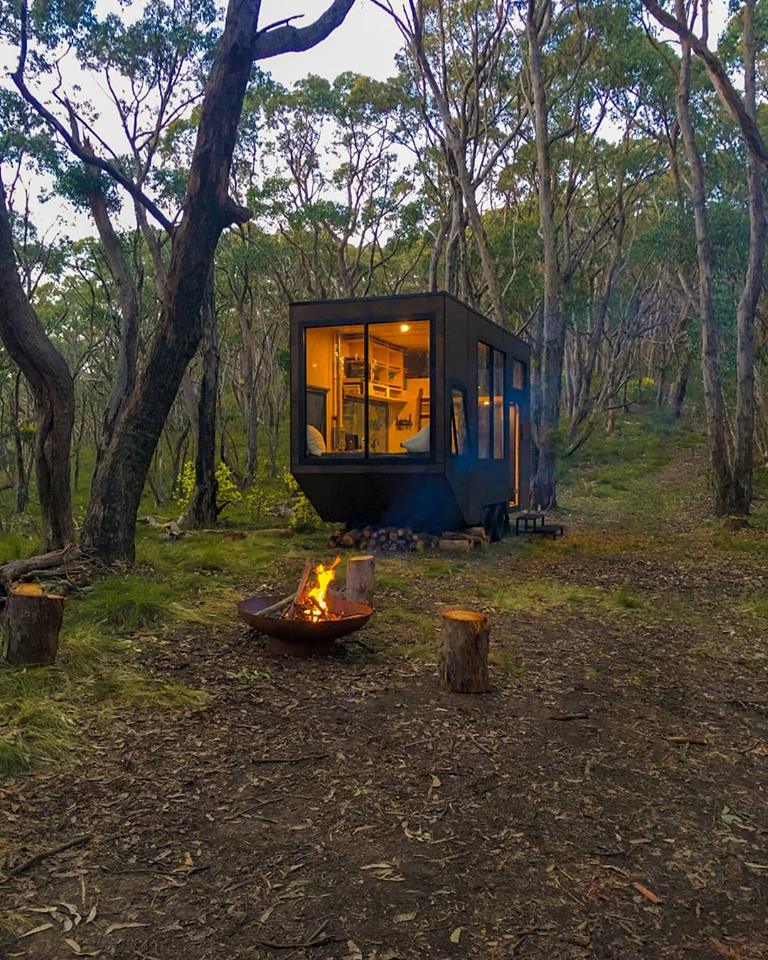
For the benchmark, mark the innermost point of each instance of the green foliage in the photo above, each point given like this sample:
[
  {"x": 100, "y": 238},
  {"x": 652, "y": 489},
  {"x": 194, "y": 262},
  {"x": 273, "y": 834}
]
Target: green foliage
[
  {"x": 304, "y": 517},
  {"x": 228, "y": 490}
]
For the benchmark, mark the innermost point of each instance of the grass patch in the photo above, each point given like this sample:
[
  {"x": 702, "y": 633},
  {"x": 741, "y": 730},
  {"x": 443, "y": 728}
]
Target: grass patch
[
  {"x": 14, "y": 546},
  {"x": 623, "y": 599},
  {"x": 229, "y": 559},
  {"x": 531, "y": 596},
  {"x": 613, "y": 480},
  {"x": 125, "y": 604},
  {"x": 43, "y": 709},
  {"x": 412, "y": 636}
]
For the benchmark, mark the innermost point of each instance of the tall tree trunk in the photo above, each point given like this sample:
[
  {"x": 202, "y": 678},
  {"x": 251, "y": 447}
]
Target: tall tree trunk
[
  {"x": 22, "y": 474},
  {"x": 544, "y": 483},
  {"x": 52, "y": 387},
  {"x": 679, "y": 386},
  {"x": 250, "y": 398},
  {"x": 740, "y": 493},
  {"x": 717, "y": 427},
  {"x": 128, "y": 296},
  {"x": 203, "y": 510},
  {"x": 117, "y": 488}
]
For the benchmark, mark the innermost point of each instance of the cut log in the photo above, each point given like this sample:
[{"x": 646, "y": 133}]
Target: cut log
[
  {"x": 32, "y": 623},
  {"x": 462, "y": 545},
  {"x": 361, "y": 579},
  {"x": 463, "y": 652}
]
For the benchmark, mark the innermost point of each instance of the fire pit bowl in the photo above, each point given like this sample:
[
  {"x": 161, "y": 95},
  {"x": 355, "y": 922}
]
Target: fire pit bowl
[{"x": 301, "y": 638}]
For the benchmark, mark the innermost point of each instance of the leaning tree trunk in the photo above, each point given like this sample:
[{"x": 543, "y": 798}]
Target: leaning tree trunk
[
  {"x": 717, "y": 427},
  {"x": 544, "y": 483},
  {"x": 22, "y": 473},
  {"x": 52, "y": 387},
  {"x": 128, "y": 297},
  {"x": 740, "y": 491},
  {"x": 110, "y": 519},
  {"x": 203, "y": 510}
]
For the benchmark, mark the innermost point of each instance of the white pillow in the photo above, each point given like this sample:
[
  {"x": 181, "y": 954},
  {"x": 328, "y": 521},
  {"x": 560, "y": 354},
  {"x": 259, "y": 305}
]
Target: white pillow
[
  {"x": 419, "y": 442},
  {"x": 315, "y": 441}
]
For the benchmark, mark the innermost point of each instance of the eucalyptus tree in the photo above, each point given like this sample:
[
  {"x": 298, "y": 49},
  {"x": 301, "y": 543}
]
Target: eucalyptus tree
[
  {"x": 464, "y": 64},
  {"x": 731, "y": 449},
  {"x": 27, "y": 342},
  {"x": 207, "y": 211}
]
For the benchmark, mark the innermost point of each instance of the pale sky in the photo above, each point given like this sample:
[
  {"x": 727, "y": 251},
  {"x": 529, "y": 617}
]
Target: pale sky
[{"x": 365, "y": 43}]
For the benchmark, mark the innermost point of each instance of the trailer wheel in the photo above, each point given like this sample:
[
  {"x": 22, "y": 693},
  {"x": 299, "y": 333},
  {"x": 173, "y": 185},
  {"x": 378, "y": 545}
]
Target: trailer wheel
[
  {"x": 499, "y": 522},
  {"x": 494, "y": 522},
  {"x": 488, "y": 518}
]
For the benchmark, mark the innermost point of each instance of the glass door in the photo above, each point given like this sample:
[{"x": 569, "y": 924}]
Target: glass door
[{"x": 514, "y": 454}]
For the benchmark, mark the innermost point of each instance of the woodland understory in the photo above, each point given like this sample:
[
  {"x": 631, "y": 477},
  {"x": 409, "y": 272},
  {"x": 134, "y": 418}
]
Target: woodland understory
[{"x": 606, "y": 799}]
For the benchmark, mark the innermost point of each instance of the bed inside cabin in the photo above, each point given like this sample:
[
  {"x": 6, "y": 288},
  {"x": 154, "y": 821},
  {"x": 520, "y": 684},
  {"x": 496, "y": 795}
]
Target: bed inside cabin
[{"x": 389, "y": 363}]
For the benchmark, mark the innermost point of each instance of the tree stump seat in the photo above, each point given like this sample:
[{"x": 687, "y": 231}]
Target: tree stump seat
[
  {"x": 32, "y": 624},
  {"x": 463, "y": 652}
]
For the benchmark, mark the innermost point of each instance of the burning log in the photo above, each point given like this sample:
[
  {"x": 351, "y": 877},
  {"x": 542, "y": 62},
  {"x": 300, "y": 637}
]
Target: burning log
[
  {"x": 463, "y": 652},
  {"x": 32, "y": 624},
  {"x": 311, "y": 603},
  {"x": 361, "y": 579}
]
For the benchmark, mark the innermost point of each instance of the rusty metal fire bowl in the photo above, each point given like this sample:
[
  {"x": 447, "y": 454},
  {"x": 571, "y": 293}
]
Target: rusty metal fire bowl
[{"x": 302, "y": 638}]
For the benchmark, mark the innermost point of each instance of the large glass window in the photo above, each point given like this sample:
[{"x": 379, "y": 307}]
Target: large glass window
[
  {"x": 387, "y": 366},
  {"x": 490, "y": 403},
  {"x": 399, "y": 402},
  {"x": 335, "y": 411}
]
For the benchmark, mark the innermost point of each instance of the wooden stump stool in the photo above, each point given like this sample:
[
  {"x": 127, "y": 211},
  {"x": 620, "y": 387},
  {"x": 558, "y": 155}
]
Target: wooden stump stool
[
  {"x": 463, "y": 652},
  {"x": 361, "y": 579},
  {"x": 32, "y": 623}
]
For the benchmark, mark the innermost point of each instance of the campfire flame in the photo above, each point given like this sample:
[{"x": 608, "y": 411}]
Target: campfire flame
[{"x": 312, "y": 605}]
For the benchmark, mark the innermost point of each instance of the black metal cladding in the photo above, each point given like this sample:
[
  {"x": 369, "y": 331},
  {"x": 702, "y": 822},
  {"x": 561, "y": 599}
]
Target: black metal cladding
[{"x": 440, "y": 489}]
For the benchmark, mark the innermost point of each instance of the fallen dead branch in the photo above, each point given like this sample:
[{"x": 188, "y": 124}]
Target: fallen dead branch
[
  {"x": 16, "y": 569},
  {"x": 44, "y": 855},
  {"x": 318, "y": 939},
  {"x": 302, "y": 759}
]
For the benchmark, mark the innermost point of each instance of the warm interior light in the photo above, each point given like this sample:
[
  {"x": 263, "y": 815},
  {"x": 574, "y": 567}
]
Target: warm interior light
[{"x": 404, "y": 328}]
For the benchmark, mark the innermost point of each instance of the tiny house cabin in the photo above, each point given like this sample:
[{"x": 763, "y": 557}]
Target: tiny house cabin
[{"x": 409, "y": 411}]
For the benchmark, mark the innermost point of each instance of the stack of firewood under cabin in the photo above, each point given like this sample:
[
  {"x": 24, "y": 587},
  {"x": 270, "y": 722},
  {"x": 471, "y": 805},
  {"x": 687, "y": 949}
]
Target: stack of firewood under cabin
[{"x": 405, "y": 540}]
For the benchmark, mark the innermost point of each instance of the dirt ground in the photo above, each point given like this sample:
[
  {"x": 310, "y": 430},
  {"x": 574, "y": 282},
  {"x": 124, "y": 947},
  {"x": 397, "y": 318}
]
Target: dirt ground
[{"x": 606, "y": 800}]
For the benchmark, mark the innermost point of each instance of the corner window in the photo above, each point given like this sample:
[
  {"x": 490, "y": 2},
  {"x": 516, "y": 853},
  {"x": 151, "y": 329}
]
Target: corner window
[
  {"x": 490, "y": 403},
  {"x": 459, "y": 440},
  {"x": 368, "y": 390}
]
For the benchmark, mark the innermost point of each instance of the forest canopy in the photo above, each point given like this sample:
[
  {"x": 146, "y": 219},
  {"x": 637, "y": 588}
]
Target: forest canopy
[{"x": 590, "y": 175}]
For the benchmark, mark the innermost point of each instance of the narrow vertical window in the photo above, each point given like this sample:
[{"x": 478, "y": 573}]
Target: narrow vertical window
[
  {"x": 498, "y": 405},
  {"x": 518, "y": 375},
  {"x": 458, "y": 423},
  {"x": 484, "y": 374}
]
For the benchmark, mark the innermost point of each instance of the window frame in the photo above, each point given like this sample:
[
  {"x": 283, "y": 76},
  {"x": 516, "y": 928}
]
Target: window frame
[
  {"x": 490, "y": 433},
  {"x": 453, "y": 433},
  {"x": 383, "y": 459}
]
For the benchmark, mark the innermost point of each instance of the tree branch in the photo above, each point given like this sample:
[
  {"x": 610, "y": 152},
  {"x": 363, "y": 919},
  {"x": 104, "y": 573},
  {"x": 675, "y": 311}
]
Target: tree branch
[
  {"x": 719, "y": 78},
  {"x": 272, "y": 40}
]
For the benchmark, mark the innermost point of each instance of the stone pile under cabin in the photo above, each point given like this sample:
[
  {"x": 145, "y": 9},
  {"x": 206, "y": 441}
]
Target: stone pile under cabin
[{"x": 409, "y": 411}]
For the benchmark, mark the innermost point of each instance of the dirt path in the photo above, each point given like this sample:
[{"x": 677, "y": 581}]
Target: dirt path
[{"x": 607, "y": 800}]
